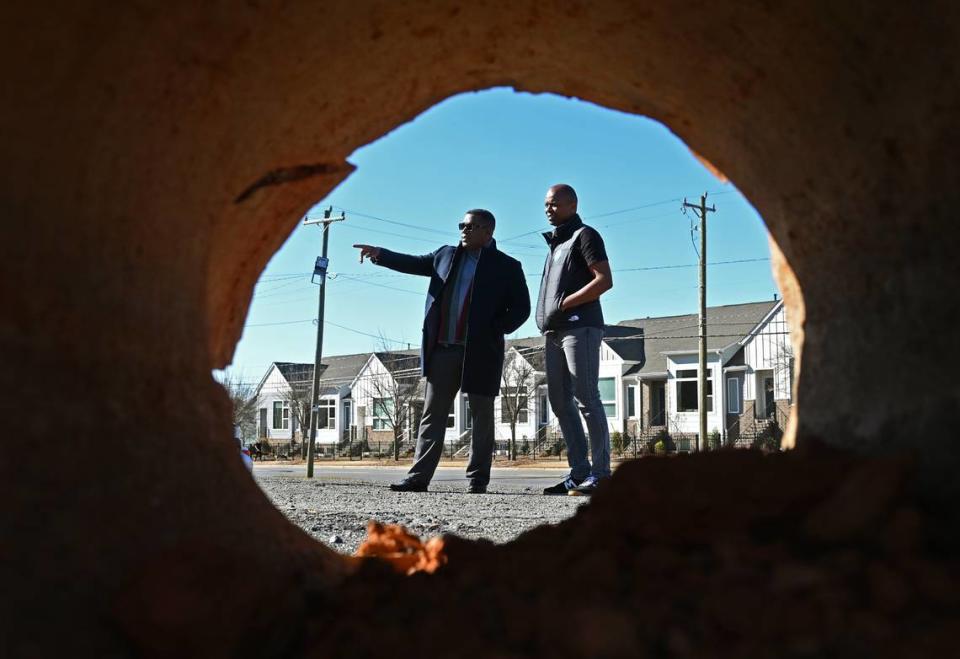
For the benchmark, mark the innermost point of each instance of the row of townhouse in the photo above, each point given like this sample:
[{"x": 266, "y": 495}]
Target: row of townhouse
[{"x": 648, "y": 384}]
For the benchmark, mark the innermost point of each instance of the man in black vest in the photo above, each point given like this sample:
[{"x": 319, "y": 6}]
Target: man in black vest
[
  {"x": 575, "y": 275},
  {"x": 476, "y": 295}
]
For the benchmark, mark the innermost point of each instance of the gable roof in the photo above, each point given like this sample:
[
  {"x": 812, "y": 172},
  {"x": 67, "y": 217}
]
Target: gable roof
[
  {"x": 627, "y": 342},
  {"x": 642, "y": 343},
  {"x": 336, "y": 371},
  {"x": 726, "y": 326},
  {"x": 399, "y": 360},
  {"x": 532, "y": 350}
]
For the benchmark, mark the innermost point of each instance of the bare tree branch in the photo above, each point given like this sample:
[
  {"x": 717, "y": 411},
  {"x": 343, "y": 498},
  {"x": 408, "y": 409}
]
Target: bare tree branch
[
  {"x": 516, "y": 390},
  {"x": 243, "y": 401}
]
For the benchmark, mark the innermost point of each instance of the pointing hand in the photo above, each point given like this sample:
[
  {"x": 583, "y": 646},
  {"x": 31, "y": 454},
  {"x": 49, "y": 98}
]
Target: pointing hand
[{"x": 369, "y": 251}]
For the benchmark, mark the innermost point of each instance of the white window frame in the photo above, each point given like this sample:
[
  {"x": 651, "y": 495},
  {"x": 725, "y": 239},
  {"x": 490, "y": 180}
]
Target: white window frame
[
  {"x": 523, "y": 403},
  {"x": 612, "y": 401},
  {"x": 380, "y": 421},
  {"x": 733, "y": 398},
  {"x": 686, "y": 377},
  {"x": 632, "y": 401},
  {"x": 544, "y": 404},
  {"x": 284, "y": 409},
  {"x": 330, "y": 406}
]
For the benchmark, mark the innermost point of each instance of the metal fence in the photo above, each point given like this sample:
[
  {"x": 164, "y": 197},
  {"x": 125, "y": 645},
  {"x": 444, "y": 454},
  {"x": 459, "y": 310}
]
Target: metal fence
[{"x": 548, "y": 444}]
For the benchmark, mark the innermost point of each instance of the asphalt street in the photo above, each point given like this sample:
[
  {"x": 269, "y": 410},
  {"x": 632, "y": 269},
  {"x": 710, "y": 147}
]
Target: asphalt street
[{"x": 445, "y": 478}]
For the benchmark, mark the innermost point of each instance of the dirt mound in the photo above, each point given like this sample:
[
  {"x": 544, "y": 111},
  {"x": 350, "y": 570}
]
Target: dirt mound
[{"x": 727, "y": 554}]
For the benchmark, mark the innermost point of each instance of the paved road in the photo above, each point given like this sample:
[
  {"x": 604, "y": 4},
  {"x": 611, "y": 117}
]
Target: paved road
[{"x": 446, "y": 477}]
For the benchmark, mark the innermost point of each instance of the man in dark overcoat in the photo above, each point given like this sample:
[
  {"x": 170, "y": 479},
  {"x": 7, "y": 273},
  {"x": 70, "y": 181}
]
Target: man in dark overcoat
[{"x": 477, "y": 294}]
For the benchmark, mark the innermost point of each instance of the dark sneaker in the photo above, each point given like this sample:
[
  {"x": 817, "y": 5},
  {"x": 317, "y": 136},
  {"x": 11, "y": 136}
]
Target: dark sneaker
[
  {"x": 563, "y": 487},
  {"x": 408, "y": 486},
  {"x": 477, "y": 488},
  {"x": 586, "y": 488}
]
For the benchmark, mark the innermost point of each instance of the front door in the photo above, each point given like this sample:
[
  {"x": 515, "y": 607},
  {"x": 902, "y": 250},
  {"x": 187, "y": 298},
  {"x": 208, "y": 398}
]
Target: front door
[
  {"x": 769, "y": 406},
  {"x": 543, "y": 407},
  {"x": 345, "y": 420},
  {"x": 262, "y": 429},
  {"x": 658, "y": 403}
]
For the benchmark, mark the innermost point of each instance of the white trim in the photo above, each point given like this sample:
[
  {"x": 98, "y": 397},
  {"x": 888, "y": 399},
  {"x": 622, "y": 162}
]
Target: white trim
[
  {"x": 631, "y": 397},
  {"x": 606, "y": 401},
  {"x": 284, "y": 407},
  {"x": 763, "y": 321},
  {"x": 329, "y": 404}
]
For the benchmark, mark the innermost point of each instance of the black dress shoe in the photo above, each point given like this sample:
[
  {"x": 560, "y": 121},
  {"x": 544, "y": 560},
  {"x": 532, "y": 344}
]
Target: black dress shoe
[
  {"x": 477, "y": 488},
  {"x": 408, "y": 486}
]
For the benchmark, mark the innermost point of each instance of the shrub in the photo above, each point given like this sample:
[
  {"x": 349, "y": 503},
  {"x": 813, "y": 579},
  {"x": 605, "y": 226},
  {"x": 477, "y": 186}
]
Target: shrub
[
  {"x": 663, "y": 438},
  {"x": 713, "y": 440},
  {"x": 616, "y": 442}
]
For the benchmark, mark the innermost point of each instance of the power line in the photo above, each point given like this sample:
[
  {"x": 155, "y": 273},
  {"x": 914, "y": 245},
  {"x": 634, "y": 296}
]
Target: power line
[
  {"x": 677, "y": 266},
  {"x": 692, "y": 265},
  {"x": 598, "y": 216},
  {"x": 372, "y": 283},
  {"x": 328, "y": 322},
  {"x": 409, "y": 225}
]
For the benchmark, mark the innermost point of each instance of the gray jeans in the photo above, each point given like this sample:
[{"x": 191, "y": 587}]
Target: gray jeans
[
  {"x": 573, "y": 366},
  {"x": 443, "y": 383}
]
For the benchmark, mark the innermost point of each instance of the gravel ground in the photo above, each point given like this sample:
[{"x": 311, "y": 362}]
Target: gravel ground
[{"x": 336, "y": 512}]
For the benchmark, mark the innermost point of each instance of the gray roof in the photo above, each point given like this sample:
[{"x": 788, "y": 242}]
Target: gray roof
[
  {"x": 335, "y": 371},
  {"x": 726, "y": 325},
  {"x": 641, "y": 343}
]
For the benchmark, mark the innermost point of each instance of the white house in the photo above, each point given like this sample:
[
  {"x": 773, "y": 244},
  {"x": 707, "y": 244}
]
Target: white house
[
  {"x": 525, "y": 360},
  {"x": 647, "y": 381},
  {"x": 283, "y": 396},
  {"x": 648, "y": 375},
  {"x": 750, "y": 372},
  {"x": 388, "y": 392}
]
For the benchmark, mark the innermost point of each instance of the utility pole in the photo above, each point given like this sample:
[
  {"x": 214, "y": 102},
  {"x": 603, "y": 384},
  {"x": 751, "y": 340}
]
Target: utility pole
[
  {"x": 701, "y": 211},
  {"x": 319, "y": 270}
]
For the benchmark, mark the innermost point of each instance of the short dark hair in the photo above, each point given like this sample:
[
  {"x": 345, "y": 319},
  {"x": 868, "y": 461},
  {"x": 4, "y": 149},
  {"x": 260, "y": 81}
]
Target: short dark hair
[
  {"x": 485, "y": 216},
  {"x": 565, "y": 190}
]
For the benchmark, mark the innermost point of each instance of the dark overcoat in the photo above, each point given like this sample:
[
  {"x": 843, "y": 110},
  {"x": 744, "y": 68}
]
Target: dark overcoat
[{"x": 499, "y": 304}]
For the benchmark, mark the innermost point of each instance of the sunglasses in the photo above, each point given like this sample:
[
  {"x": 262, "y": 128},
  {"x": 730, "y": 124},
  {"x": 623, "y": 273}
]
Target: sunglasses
[{"x": 468, "y": 227}]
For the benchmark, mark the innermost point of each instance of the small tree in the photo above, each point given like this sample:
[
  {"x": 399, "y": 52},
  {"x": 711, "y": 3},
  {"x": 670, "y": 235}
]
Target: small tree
[
  {"x": 298, "y": 398},
  {"x": 517, "y": 381},
  {"x": 243, "y": 401},
  {"x": 616, "y": 442},
  {"x": 393, "y": 392}
]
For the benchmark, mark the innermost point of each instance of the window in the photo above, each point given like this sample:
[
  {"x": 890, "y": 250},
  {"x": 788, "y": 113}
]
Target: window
[
  {"x": 544, "y": 405},
  {"x": 608, "y": 395},
  {"x": 326, "y": 414},
  {"x": 382, "y": 413},
  {"x": 452, "y": 416},
  {"x": 513, "y": 396},
  {"x": 733, "y": 396},
  {"x": 281, "y": 415},
  {"x": 467, "y": 414},
  {"x": 687, "y": 391},
  {"x": 632, "y": 401}
]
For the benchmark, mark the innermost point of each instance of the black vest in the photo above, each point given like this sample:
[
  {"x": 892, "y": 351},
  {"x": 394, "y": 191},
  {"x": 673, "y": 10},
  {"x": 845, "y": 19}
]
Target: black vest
[{"x": 563, "y": 274}]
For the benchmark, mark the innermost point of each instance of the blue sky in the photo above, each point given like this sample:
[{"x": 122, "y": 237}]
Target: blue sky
[{"x": 501, "y": 150}]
